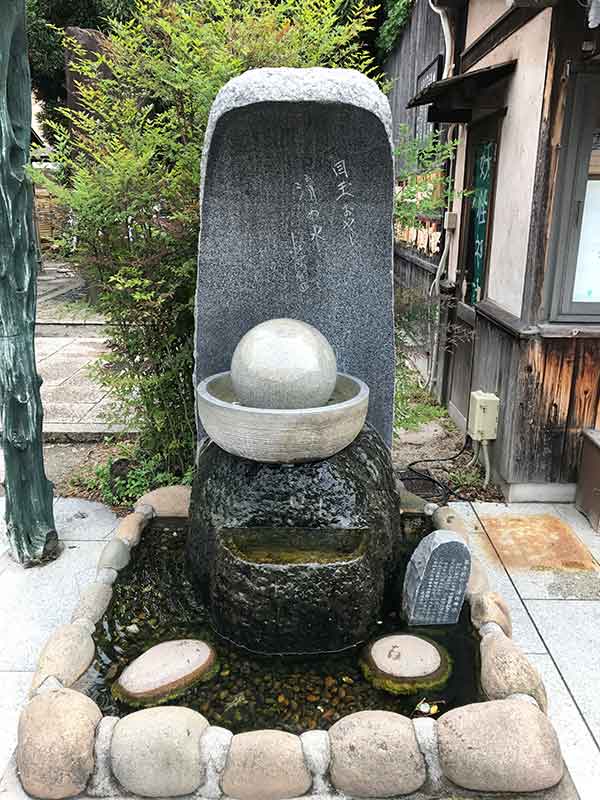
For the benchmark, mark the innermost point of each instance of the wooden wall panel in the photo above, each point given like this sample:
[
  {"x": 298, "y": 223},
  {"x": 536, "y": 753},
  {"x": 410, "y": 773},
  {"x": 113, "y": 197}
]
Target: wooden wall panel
[
  {"x": 418, "y": 44},
  {"x": 496, "y": 353},
  {"x": 584, "y": 406}
]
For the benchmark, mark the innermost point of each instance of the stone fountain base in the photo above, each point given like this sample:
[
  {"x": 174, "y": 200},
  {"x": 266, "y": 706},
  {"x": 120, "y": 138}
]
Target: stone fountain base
[{"x": 250, "y": 524}]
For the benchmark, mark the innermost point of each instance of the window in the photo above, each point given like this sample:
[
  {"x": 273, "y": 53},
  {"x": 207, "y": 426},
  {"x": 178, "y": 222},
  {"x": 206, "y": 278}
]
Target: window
[{"x": 577, "y": 226}]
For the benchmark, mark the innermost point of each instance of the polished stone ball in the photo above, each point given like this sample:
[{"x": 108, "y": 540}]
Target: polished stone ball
[{"x": 283, "y": 363}]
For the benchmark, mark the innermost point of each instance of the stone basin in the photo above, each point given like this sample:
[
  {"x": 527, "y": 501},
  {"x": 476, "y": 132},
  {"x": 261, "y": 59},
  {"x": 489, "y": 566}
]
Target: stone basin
[{"x": 284, "y": 436}]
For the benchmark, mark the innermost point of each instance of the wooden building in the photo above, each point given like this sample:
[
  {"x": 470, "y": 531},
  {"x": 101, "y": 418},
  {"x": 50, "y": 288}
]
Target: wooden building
[{"x": 518, "y": 84}]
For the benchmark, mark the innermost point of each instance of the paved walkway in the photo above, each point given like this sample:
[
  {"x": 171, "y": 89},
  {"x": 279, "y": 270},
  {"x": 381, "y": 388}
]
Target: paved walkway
[{"x": 543, "y": 558}]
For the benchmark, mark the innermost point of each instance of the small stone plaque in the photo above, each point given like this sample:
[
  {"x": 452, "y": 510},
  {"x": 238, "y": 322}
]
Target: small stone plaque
[
  {"x": 296, "y": 221},
  {"x": 436, "y": 580}
]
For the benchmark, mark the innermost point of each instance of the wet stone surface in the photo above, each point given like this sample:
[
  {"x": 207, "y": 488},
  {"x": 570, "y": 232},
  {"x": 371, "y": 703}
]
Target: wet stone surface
[
  {"x": 347, "y": 499},
  {"x": 153, "y": 601}
]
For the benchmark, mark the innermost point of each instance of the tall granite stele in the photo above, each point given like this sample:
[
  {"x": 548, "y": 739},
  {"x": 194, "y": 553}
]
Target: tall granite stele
[
  {"x": 29, "y": 513},
  {"x": 296, "y": 221}
]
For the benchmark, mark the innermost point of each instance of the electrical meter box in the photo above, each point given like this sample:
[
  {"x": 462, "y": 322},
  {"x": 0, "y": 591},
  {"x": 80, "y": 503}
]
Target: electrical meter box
[{"x": 483, "y": 416}]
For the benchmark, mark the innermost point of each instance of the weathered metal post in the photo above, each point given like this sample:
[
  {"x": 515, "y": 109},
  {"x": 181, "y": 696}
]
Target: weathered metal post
[{"x": 29, "y": 512}]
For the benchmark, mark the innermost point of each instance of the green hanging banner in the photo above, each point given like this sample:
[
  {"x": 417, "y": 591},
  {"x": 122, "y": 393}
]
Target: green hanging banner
[{"x": 485, "y": 153}]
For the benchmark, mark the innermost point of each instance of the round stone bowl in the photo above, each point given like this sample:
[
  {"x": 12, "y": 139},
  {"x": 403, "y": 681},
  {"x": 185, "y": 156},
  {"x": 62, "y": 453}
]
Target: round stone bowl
[{"x": 282, "y": 436}]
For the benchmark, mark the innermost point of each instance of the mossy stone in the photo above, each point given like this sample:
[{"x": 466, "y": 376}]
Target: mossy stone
[{"x": 428, "y": 666}]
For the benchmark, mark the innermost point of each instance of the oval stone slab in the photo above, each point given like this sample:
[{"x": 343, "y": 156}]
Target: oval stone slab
[
  {"x": 404, "y": 664},
  {"x": 166, "y": 670},
  {"x": 405, "y": 656}
]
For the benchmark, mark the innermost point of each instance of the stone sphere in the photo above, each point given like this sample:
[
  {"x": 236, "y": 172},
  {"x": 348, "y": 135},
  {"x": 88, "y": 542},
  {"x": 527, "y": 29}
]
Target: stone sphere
[{"x": 283, "y": 363}]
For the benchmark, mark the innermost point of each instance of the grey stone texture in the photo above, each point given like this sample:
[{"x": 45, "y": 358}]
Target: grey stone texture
[
  {"x": 375, "y": 754},
  {"x": 55, "y": 753},
  {"x": 499, "y": 746},
  {"x": 296, "y": 221},
  {"x": 214, "y": 749},
  {"x": 346, "y": 506},
  {"x": 115, "y": 555},
  {"x": 106, "y": 575},
  {"x": 317, "y": 751},
  {"x": 426, "y": 733},
  {"x": 93, "y": 602},
  {"x": 490, "y": 607},
  {"x": 67, "y": 654},
  {"x": 265, "y": 765},
  {"x": 102, "y": 783},
  {"x": 156, "y": 752},
  {"x": 506, "y": 670},
  {"x": 436, "y": 579},
  {"x": 165, "y": 670}
]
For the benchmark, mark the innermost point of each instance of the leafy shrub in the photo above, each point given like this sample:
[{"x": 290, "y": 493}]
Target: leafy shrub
[
  {"x": 397, "y": 15},
  {"x": 138, "y": 479},
  {"x": 130, "y": 171},
  {"x": 424, "y": 187}
]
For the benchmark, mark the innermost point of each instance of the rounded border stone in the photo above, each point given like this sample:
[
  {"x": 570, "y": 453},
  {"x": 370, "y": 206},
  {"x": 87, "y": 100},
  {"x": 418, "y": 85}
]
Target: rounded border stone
[
  {"x": 55, "y": 750},
  {"x": 156, "y": 752},
  {"x": 265, "y": 765},
  {"x": 499, "y": 746},
  {"x": 376, "y": 754}
]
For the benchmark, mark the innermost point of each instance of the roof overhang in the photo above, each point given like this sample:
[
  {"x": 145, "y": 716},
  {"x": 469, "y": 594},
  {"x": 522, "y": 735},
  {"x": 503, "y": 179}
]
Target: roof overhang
[{"x": 454, "y": 99}]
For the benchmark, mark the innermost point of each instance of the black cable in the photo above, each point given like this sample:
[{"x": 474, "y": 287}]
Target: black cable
[{"x": 446, "y": 489}]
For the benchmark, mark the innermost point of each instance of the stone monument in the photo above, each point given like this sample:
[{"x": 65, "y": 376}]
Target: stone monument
[
  {"x": 296, "y": 221},
  {"x": 436, "y": 580},
  {"x": 293, "y": 551}
]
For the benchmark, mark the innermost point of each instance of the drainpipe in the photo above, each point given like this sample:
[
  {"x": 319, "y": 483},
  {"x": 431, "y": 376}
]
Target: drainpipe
[{"x": 448, "y": 39}]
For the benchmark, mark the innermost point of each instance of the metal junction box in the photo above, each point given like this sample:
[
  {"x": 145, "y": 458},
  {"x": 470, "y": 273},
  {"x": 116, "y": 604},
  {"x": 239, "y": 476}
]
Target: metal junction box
[
  {"x": 483, "y": 416},
  {"x": 587, "y": 499}
]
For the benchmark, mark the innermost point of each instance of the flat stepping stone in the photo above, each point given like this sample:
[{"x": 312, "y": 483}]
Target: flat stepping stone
[
  {"x": 405, "y": 664},
  {"x": 165, "y": 671}
]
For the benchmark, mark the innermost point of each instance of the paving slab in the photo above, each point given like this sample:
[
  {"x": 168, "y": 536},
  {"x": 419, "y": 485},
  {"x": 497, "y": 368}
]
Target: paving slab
[
  {"x": 35, "y": 601},
  {"x": 55, "y": 369},
  {"x": 524, "y": 631},
  {"x": 79, "y": 388},
  {"x": 579, "y": 749},
  {"x": 47, "y": 346},
  {"x": 571, "y": 630},
  {"x": 544, "y": 554},
  {"x": 15, "y": 688}
]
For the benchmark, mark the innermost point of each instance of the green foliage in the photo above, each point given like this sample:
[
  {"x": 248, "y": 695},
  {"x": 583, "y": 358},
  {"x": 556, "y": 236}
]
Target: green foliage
[
  {"x": 397, "y": 15},
  {"x": 46, "y": 53},
  {"x": 130, "y": 171},
  {"x": 424, "y": 185},
  {"x": 413, "y": 405},
  {"x": 143, "y": 476}
]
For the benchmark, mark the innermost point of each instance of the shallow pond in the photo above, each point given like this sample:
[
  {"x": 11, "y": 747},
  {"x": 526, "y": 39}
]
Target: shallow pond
[{"x": 154, "y": 601}]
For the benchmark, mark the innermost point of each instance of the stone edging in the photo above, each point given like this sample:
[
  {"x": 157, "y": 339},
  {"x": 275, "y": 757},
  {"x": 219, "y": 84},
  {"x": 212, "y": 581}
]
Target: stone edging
[{"x": 65, "y": 746}]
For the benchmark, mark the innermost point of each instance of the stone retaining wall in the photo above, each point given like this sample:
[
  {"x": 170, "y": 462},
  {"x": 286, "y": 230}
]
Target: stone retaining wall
[{"x": 65, "y": 746}]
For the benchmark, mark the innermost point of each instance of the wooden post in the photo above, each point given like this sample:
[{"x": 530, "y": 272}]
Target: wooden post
[{"x": 29, "y": 513}]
